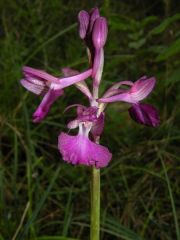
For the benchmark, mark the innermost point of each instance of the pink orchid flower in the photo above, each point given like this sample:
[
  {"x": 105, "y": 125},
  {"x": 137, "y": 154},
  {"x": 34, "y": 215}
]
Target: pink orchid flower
[
  {"x": 80, "y": 149},
  {"x": 141, "y": 113},
  {"x": 42, "y": 83},
  {"x": 84, "y": 148}
]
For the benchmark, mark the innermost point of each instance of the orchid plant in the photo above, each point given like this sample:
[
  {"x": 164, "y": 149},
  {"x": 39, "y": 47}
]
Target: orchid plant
[{"x": 84, "y": 148}]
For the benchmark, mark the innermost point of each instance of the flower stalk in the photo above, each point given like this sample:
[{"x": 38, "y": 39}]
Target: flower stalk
[{"x": 95, "y": 205}]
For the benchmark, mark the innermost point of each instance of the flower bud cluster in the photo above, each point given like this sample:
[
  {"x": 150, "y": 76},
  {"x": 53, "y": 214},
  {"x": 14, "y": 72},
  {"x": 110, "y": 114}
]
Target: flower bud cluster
[{"x": 93, "y": 30}]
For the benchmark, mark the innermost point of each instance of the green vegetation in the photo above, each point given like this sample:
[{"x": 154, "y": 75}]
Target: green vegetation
[{"x": 41, "y": 197}]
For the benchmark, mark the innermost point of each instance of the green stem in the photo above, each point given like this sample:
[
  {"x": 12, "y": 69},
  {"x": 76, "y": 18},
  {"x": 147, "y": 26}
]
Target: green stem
[{"x": 95, "y": 205}]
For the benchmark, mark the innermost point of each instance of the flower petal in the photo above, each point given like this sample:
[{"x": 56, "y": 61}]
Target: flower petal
[
  {"x": 88, "y": 114},
  {"x": 98, "y": 126},
  {"x": 144, "y": 114},
  {"x": 35, "y": 88},
  {"x": 94, "y": 14},
  {"x": 79, "y": 150},
  {"x": 73, "y": 124},
  {"x": 142, "y": 88},
  {"x": 114, "y": 89},
  {"x": 82, "y": 86},
  {"x": 98, "y": 65},
  {"x": 39, "y": 74},
  {"x": 68, "y": 81},
  {"x": 45, "y": 105},
  {"x": 35, "y": 80},
  {"x": 139, "y": 90},
  {"x": 68, "y": 72},
  {"x": 124, "y": 97}
]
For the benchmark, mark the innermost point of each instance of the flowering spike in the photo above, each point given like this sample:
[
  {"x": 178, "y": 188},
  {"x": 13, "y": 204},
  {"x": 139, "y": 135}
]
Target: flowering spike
[
  {"x": 79, "y": 149},
  {"x": 100, "y": 31}
]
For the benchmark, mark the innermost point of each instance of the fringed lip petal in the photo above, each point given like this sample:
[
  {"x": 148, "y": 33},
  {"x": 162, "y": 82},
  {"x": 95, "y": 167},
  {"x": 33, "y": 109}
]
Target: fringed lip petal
[
  {"x": 79, "y": 150},
  {"x": 45, "y": 105},
  {"x": 145, "y": 114}
]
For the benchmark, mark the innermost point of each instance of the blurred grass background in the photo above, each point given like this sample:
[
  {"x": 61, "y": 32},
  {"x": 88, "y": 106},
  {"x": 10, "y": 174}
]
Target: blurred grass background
[{"x": 40, "y": 195}]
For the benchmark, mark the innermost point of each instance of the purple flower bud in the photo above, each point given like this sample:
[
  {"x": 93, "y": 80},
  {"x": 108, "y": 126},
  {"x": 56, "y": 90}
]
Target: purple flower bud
[
  {"x": 144, "y": 114},
  {"x": 83, "y": 18},
  {"x": 100, "y": 31},
  {"x": 94, "y": 13}
]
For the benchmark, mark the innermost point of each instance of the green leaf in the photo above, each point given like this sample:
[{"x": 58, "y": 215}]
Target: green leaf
[
  {"x": 137, "y": 44},
  {"x": 123, "y": 23},
  {"x": 148, "y": 20},
  {"x": 115, "y": 228},
  {"x": 170, "y": 51},
  {"x": 175, "y": 76},
  {"x": 40, "y": 204},
  {"x": 117, "y": 25},
  {"x": 162, "y": 27}
]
